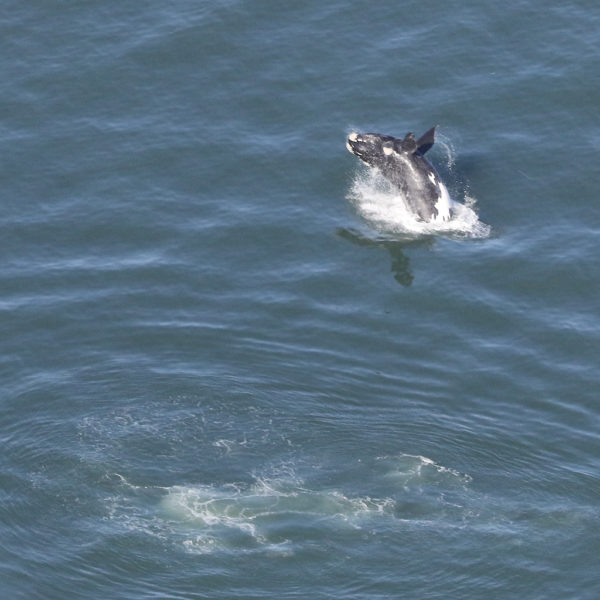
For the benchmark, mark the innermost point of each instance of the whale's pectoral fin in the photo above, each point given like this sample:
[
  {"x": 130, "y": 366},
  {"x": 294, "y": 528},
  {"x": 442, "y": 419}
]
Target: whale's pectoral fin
[{"x": 425, "y": 142}]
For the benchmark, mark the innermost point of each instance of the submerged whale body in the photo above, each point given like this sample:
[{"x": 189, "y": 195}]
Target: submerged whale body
[{"x": 402, "y": 163}]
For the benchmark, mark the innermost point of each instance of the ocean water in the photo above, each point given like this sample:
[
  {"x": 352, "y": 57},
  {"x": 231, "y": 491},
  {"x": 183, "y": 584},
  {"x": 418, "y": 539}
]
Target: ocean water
[{"x": 234, "y": 365}]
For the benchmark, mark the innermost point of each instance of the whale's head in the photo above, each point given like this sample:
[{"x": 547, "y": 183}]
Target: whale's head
[{"x": 373, "y": 149}]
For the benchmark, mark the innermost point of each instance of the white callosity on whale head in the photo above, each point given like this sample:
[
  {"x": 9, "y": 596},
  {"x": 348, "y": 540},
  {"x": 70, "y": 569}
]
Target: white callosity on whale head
[{"x": 353, "y": 137}]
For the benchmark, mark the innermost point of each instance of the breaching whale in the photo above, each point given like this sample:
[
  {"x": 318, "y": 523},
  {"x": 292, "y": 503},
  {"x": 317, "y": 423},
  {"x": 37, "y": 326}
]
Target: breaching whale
[{"x": 402, "y": 162}]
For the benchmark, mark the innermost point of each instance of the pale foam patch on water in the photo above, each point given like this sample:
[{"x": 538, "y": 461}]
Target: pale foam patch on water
[
  {"x": 412, "y": 468},
  {"x": 272, "y": 515},
  {"x": 282, "y": 513},
  {"x": 383, "y": 206}
]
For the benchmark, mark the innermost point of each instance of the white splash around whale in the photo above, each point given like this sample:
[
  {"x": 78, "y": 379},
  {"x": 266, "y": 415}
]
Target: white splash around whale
[{"x": 383, "y": 207}]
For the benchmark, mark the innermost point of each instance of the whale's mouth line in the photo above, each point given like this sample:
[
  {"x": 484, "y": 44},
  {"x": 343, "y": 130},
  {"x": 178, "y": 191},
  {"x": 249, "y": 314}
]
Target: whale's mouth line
[{"x": 352, "y": 147}]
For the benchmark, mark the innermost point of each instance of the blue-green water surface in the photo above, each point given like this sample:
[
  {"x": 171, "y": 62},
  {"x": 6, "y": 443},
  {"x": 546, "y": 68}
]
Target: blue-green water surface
[{"x": 231, "y": 365}]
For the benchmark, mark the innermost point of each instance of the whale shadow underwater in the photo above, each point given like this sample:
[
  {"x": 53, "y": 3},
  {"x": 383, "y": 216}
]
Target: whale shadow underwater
[{"x": 400, "y": 262}]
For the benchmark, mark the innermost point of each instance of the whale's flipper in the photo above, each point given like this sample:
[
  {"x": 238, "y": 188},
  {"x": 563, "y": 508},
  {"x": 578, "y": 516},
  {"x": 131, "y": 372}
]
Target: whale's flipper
[{"x": 425, "y": 142}]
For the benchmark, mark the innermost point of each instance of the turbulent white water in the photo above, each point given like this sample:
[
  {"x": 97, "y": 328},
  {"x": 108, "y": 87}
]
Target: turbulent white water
[
  {"x": 284, "y": 512},
  {"x": 383, "y": 206}
]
